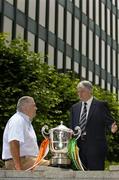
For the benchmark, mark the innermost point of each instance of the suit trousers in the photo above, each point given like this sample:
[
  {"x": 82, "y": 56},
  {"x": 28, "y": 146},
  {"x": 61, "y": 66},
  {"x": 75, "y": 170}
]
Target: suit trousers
[{"x": 91, "y": 158}]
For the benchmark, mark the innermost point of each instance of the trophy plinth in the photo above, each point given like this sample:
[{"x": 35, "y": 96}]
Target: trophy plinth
[
  {"x": 60, "y": 160},
  {"x": 59, "y": 138}
]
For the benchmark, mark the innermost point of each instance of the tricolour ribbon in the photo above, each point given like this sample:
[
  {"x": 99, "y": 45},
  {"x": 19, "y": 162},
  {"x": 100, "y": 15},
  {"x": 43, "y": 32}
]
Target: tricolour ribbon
[
  {"x": 43, "y": 151},
  {"x": 73, "y": 153}
]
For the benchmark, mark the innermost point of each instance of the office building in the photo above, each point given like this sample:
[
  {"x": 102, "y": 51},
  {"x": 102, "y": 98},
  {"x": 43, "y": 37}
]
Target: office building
[{"x": 77, "y": 35}]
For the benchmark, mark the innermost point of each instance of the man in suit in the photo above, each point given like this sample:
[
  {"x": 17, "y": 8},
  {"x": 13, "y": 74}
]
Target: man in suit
[{"x": 93, "y": 117}]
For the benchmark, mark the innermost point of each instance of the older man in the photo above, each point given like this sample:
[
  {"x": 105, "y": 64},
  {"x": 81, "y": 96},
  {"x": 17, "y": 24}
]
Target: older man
[
  {"x": 93, "y": 117},
  {"x": 19, "y": 139}
]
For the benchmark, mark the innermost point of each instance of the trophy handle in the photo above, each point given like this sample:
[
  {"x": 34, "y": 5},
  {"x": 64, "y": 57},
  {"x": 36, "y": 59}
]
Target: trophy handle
[
  {"x": 44, "y": 133},
  {"x": 78, "y": 134}
]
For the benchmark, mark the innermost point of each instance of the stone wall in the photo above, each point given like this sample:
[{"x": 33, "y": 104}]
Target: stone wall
[{"x": 45, "y": 173}]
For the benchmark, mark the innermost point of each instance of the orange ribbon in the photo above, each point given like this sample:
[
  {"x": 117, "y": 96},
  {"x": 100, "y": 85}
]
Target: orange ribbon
[{"x": 43, "y": 151}]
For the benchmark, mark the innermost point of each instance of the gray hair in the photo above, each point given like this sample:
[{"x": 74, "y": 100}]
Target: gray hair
[
  {"x": 86, "y": 84},
  {"x": 22, "y": 101}
]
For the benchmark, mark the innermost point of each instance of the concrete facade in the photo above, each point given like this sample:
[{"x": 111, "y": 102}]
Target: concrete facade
[{"x": 77, "y": 35}]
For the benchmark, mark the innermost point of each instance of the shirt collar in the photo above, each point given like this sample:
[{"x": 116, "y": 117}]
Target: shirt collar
[
  {"x": 24, "y": 116},
  {"x": 90, "y": 100}
]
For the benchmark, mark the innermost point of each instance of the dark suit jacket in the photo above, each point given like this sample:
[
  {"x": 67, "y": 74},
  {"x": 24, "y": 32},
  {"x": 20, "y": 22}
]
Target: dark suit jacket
[{"x": 99, "y": 118}]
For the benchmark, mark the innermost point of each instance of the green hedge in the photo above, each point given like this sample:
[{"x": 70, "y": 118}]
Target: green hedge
[{"x": 23, "y": 73}]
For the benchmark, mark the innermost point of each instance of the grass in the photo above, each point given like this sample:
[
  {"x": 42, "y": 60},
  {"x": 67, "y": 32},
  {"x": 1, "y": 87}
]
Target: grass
[{"x": 108, "y": 163}]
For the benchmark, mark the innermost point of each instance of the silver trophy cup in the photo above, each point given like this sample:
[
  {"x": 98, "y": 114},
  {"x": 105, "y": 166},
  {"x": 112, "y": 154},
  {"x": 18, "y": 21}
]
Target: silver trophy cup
[{"x": 59, "y": 137}]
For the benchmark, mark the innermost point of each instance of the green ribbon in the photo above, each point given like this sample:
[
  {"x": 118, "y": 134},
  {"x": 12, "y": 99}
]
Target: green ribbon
[{"x": 73, "y": 153}]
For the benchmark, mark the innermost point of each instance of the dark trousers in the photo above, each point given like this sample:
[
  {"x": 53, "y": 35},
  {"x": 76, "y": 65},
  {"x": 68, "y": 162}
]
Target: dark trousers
[{"x": 91, "y": 157}]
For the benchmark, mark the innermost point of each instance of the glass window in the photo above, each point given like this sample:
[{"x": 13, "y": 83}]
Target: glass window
[
  {"x": 97, "y": 50},
  {"x": 97, "y": 80},
  {"x": 90, "y": 76},
  {"x": 84, "y": 6},
  {"x": 42, "y": 12},
  {"x": 32, "y": 8},
  {"x": 114, "y": 63},
  {"x": 76, "y": 34},
  {"x": 83, "y": 72},
  {"x": 8, "y": 27},
  {"x": 68, "y": 62},
  {"x": 76, "y": 67},
  {"x": 118, "y": 65},
  {"x": 118, "y": 30},
  {"x": 108, "y": 21},
  {"x": 118, "y": 4},
  {"x": 60, "y": 60},
  {"x": 52, "y": 16},
  {"x": 91, "y": 9},
  {"x": 69, "y": 28},
  {"x": 50, "y": 55},
  {"x": 108, "y": 59},
  {"x": 103, "y": 54},
  {"x": 31, "y": 40},
  {"x": 114, "y": 90},
  {"x": 21, "y": 5},
  {"x": 90, "y": 45},
  {"x": 60, "y": 21},
  {"x": 108, "y": 86},
  {"x": 102, "y": 83},
  {"x": 113, "y": 2},
  {"x": 41, "y": 48},
  {"x": 83, "y": 39},
  {"x": 19, "y": 31},
  {"x": 102, "y": 16},
  {"x": 113, "y": 27},
  {"x": 97, "y": 11},
  {"x": 77, "y": 2},
  {"x": 10, "y": 1}
]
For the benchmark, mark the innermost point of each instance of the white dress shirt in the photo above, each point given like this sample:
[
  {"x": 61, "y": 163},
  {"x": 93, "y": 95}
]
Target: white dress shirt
[
  {"x": 19, "y": 128},
  {"x": 87, "y": 106}
]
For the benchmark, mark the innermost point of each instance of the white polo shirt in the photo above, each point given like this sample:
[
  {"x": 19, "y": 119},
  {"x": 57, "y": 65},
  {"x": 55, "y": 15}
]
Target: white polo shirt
[{"x": 19, "y": 128}]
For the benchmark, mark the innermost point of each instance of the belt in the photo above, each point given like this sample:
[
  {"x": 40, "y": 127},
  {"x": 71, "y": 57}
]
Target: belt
[
  {"x": 8, "y": 159},
  {"x": 12, "y": 158},
  {"x": 83, "y": 138}
]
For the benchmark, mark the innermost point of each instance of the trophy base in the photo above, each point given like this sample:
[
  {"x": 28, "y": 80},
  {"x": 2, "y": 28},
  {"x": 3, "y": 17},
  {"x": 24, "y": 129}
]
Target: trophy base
[
  {"x": 60, "y": 160},
  {"x": 65, "y": 166}
]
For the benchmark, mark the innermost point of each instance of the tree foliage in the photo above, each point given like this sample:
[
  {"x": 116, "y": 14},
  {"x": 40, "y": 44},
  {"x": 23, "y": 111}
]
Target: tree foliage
[{"x": 23, "y": 73}]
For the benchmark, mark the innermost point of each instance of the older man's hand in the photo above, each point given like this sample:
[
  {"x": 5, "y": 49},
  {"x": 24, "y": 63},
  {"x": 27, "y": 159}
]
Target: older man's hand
[{"x": 114, "y": 127}]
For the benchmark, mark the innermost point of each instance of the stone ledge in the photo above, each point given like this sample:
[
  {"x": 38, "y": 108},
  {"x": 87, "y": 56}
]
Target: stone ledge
[{"x": 51, "y": 173}]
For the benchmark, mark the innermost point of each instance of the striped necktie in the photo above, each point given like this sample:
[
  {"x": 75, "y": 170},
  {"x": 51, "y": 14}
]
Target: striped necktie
[{"x": 82, "y": 122}]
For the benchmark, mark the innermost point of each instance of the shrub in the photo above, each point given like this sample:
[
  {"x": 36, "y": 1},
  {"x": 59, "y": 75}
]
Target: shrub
[{"x": 23, "y": 73}]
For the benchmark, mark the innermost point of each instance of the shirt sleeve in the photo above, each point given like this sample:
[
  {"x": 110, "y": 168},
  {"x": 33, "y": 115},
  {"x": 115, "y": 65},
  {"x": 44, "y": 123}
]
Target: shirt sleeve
[{"x": 16, "y": 130}]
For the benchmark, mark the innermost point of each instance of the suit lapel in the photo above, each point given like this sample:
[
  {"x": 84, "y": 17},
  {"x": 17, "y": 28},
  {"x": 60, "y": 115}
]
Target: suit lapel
[{"x": 78, "y": 112}]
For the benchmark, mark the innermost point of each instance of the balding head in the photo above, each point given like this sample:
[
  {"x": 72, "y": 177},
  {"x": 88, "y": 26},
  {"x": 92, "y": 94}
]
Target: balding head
[
  {"x": 27, "y": 106},
  {"x": 22, "y": 101}
]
